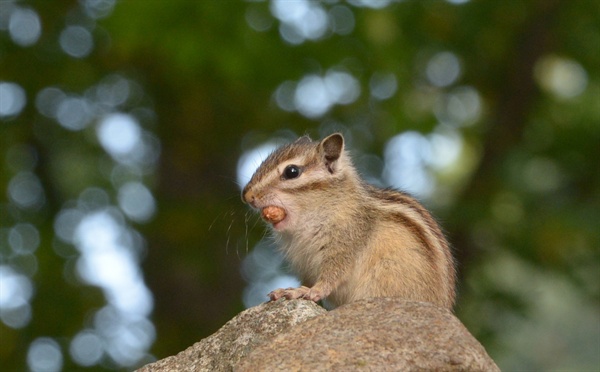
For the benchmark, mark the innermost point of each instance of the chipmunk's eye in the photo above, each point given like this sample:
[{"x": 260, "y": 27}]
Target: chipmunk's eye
[{"x": 291, "y": 171}]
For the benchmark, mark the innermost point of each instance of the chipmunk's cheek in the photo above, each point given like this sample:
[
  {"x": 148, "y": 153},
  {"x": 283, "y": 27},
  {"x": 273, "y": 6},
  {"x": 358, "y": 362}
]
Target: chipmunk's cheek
[{"x": 275, "y": 215}]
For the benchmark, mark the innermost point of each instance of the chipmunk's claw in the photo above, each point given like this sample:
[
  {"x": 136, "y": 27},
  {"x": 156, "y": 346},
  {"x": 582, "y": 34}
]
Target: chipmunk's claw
[
  {"x": 313, "y": 295},
  {"x": 289, "y": 293}
]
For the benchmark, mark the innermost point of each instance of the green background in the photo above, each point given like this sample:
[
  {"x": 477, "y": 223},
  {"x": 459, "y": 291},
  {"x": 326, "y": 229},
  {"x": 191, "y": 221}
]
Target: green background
[{"x": 520, "y": 203}]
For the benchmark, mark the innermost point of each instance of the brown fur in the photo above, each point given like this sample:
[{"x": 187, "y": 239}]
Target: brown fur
[{"x": 348, "y": 240}]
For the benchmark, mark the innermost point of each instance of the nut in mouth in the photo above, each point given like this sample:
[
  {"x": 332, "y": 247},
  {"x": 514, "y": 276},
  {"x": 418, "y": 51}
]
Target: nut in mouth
[{"x": 273, "y": 214}]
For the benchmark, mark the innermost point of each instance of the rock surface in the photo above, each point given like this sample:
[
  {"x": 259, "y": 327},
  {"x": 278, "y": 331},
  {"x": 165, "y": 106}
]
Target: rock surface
[
  {"x": 237, "y": 338},
  {"x": 379, "y": 334},
  {"x": 374, "y": 335}
]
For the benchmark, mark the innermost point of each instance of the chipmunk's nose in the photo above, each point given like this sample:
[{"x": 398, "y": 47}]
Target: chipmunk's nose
[{"x": 248, "y": 197}]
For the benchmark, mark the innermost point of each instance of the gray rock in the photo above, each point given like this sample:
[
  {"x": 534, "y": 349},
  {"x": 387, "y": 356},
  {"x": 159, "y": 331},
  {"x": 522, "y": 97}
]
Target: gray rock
[
  {"x": 379, "y": 334},
  {"x": 238, "y": 337}
]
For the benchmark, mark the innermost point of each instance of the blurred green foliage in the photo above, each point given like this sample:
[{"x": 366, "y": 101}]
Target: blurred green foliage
[{"x": 521, "y": 204}]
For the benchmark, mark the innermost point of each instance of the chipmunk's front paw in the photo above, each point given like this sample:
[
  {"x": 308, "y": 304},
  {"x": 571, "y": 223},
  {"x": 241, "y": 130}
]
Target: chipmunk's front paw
[
  {"x": 314, "y": 294},
  {"x": 288, "y": 293}
]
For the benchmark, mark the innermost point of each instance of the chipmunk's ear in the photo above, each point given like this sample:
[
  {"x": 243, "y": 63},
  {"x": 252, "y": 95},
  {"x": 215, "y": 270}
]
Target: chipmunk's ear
[{"x": 332, "y": 148}]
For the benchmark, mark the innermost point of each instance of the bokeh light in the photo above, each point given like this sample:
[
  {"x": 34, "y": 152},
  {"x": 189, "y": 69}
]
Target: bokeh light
[
  {"x": 26, "y": 191},
  {"x": 462, "y": 106},
  {"x": 24, "y": 238},
  {"x": 562, "y": 77},
  {"x": 86, "y": 348},
  {"x": 44, "y": 355},
  {"x": 97, "y": 9},
  {"x": 458, "y": 2},
  {"x": 341, "y": 20},
  {"x": 383, "y": 86},
  {"x": 109, "y": 261},
  {"x": 375, "y": 4},
  {"x": 76, "y": 41},
  {"x": 74, "y": 113},
  {"x": 300, "y": 20},
  {"x": 24, "y": 26},
  {"x": 313, "y": 95},
  {"x": 443, "y": 69},
  {"x": 48, "y": 100},
  {"x": 16, "y": 291},
  {"x": 119, "y": 134},
  {"x": 406, "y": 157},
  {"x": 136, "y": 201},
  {"x": 12, "y": 99},
  {"x": 111, "y": 92}
]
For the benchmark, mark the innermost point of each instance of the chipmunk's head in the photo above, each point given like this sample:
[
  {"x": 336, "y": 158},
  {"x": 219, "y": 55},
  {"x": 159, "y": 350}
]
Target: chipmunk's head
[{"x": 287, "y": 186}]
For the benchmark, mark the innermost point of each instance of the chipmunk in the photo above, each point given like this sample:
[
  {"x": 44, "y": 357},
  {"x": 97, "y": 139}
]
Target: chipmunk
[{"x": 348, "y": 240}]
